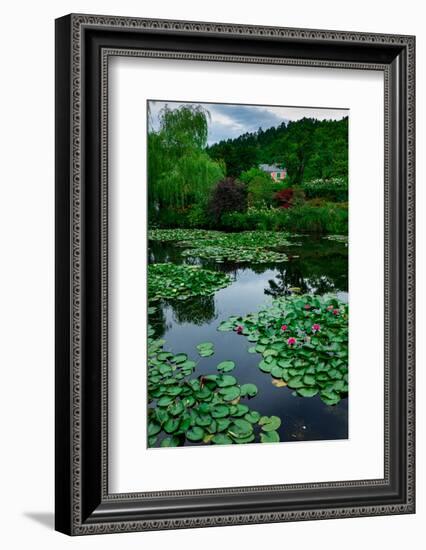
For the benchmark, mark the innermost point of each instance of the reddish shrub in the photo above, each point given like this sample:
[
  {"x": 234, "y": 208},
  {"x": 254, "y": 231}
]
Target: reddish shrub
[{"x": 284, "y": 197}]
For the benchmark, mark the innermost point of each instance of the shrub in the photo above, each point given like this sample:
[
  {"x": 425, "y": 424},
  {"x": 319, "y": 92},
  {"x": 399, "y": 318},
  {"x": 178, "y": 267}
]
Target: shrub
[
  {"x": 197, "y": 216},
  {"x": 260, "y": 187},
  {"x": 229, "y": 195},
  {"x": 331, "y": 218},
  {"x": 284, "y": 197},
  {"x": 334, "y": 189}
]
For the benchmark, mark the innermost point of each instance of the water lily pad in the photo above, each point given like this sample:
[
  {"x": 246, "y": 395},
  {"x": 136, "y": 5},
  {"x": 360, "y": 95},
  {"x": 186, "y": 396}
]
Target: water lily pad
[
  {"x": 295, "y": 382},
  {"x": 165, "y": 401},
  {"x": 265, "y": 367},
  {"x": 171, "y": 425},
  {"x": 252, "y": 417},
  {"x": 225, "y": 326},
  {"x": 220, "y": 411},
  {"x": 226, "y": 380},
  {"x": 307, "y": 392},
  {"x": 240, "y": 428},
  {"x": 269, "y": 437},
  {"x": 222, "y": 424},
  {"x": 270, "y": 423},
  {"x": 153, "y": 428},
  {"x": 276, "y": 371},
  {"x": 222, "y": 439},
  {"x": 230, "y": 393},
  {"x": 249, "y": 390},
  {"x": 170, "y": 442},
  {"x": 195, "y": 434},
  {"x": 226, "y": 366},
  {"x": 164, "y": 355}
]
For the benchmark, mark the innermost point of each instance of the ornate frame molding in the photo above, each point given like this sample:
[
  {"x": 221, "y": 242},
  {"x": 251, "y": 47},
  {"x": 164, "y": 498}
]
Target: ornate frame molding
[{"x": 73, "y": 517}]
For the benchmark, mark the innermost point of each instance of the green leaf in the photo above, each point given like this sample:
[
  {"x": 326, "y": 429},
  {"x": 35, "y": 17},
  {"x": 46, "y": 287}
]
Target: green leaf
[
  {"x": 269, "y": 437},
  {"x": 231, "y": 393},
  {"x": 277, "y": 372},
  {"x": 220, "y": 411},
  {"x": 222, "y": 424},
  {"x": 164, "y": 401},
  {"x": 226, "y": 366},
  {"x": 226, "y": 380},
  {"x": 153, "y": 428},
  {"x": 204, "y": 345},
  {"x": 270, "y": 423},
  {"x": 307, "y": 392},
  {"x": 249, "y": 390},
  {"x": 265, "y": 367},
  {"x": 164, "y": 355},
  {"x": 170, "y": 442},
  {"x": 180, "y": 358},
  {"x": 221, "y": 439},
  {"x": 252, "y": 417},
  {"x": 295, "y": 382},
  {"x": 240, "y": 428},
  {"x": 225, "y": 326},
  {"x": 171, "y": 425},
  {"x": 309, "y": 380},
  {"x": 195, "y": 434}
]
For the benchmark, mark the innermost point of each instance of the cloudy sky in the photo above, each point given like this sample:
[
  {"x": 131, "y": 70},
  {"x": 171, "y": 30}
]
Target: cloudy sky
[{"x": 230, "y": 121}]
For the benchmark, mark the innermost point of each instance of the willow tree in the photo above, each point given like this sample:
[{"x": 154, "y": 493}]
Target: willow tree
[{"x": 180, "y": 172}]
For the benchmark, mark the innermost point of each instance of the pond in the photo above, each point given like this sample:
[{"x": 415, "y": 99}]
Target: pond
[{"x": 315, "y": 265}]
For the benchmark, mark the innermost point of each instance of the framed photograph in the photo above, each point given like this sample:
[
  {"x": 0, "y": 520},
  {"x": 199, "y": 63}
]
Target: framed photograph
[{"x": 234, "y": 274}]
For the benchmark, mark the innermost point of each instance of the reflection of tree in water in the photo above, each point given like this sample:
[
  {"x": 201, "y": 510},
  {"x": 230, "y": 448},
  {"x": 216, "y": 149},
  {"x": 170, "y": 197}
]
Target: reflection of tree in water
[
  {"x": 197, "y": 310},
  {"x": 159, "y": 253},
  {"x": 157, "y": 319},
  {"x": 316, "y": 272}
]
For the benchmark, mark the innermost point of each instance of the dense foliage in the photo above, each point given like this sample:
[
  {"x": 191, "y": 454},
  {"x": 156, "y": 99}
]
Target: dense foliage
[
  {"x": 308, "y": 148},
  {"x": 327, "y": 218},
  {"x": 179, "y": 170},
  {"x": 229, "y": 195}
]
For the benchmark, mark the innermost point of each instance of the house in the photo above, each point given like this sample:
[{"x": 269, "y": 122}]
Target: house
[{"x": 276, "y": 173}]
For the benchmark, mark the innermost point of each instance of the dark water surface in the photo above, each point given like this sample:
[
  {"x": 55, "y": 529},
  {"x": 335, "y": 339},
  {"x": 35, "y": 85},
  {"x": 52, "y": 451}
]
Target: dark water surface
[{"x": 316, "y": 266}]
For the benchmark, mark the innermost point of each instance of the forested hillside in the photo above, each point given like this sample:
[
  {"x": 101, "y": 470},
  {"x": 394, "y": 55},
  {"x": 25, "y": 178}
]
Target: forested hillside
[{"x": 308, "y": 148}]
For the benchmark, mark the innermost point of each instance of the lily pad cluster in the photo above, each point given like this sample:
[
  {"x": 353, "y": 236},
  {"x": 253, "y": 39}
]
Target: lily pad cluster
[
  {"x": 220, "y": 254},
  {"x": 246, "y": 246},
  {"x": 303, "y": 341},
  {"x": 183, "y": 281},
  {"x": 174, "y": 235},
  {"x": 338, "y": 238},
  {"x": 204, "y": 409}
]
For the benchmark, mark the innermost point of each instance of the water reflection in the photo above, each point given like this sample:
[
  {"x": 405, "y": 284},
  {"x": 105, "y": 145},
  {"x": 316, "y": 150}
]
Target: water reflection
[{"x": 317, "y": 266}]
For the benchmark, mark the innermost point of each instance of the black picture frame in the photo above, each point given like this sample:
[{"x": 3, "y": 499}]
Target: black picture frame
[{"x": 83, "y": 45}]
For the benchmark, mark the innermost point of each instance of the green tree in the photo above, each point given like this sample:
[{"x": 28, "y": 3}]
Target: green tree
[
  {"x": 180, "y": 172},
  {"x": 260, "y": 186}
]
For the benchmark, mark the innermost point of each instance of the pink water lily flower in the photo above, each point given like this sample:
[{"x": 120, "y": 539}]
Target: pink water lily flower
[
  {"x": 284, "y": 328},
  {"x": 335, "y": 312},
  {"x": 239, "y": 329},
  {"x": 307, "y": 306},
  {"x": 291, "y": 341},
  {"x": 316, "y": 328}
]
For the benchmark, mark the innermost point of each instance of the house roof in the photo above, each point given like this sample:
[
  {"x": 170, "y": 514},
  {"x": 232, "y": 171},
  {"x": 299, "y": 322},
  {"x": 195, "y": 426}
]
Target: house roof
[{"x": 270, "y": 168}]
